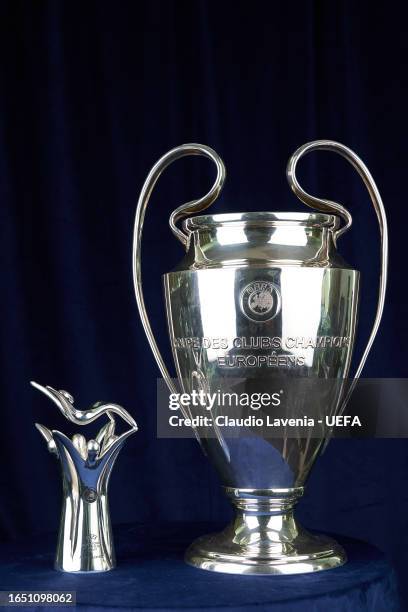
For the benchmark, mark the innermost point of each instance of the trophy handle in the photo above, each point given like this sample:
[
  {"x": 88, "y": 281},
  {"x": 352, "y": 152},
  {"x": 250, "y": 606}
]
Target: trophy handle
[
  {"x": 179, "y": 213},
  {"x": 335, "y": 208}
]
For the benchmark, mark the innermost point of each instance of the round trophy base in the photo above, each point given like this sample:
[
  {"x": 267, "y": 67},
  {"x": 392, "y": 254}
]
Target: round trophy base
[
  {"x": 265, "y": 538},
  {"x": 217, "y": 553}
]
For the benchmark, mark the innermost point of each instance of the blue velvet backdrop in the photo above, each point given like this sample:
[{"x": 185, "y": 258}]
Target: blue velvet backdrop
[{"x": 92, "y": 93}]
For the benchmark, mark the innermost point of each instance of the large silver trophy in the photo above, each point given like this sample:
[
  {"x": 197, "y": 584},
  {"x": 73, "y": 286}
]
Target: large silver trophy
[{"x": 262, "y": 296}]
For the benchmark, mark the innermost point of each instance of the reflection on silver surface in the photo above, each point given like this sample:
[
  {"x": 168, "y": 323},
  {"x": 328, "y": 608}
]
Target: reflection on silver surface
[
  {"x": 245, "y": 278},
  {"x": 85, "y": 541}
]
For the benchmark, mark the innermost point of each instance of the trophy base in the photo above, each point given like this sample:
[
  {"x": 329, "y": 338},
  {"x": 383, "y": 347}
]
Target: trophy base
[
  {"x": 82, "y": 571},
  {"x": 265, "y": 539}
]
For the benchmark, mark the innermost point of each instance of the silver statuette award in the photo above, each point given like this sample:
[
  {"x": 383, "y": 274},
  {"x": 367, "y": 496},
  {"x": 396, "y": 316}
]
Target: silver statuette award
[
  {"x": 85, "y": 542},
  {"x": 262, "y": 301}
]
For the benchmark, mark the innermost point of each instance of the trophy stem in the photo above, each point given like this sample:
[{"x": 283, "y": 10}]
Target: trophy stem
[
  {"x": 265, "y": 538},
  {"x": 85, "y": 537}
]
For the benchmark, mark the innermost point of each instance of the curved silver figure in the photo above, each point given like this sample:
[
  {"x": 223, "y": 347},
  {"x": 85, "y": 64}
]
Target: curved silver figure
[
  {"x": 261, "y": 299},
  {"x": 85, "y": 537}
]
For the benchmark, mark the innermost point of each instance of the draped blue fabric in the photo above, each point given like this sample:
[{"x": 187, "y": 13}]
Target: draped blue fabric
[
  {"x": 91, "y": 94},
  {"x": 151, "y": 575}
]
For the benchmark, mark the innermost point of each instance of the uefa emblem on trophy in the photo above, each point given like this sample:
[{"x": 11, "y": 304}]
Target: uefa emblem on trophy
[
  {"x": 260, "y": 301},
  {"x": 286, "y": 309}
]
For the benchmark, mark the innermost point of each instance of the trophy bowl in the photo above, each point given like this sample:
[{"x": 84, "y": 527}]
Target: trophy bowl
[{"x": 262, "y": 301}]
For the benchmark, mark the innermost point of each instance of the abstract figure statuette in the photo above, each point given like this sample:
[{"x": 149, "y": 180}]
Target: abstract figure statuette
[{"x": 85, "y": 542}]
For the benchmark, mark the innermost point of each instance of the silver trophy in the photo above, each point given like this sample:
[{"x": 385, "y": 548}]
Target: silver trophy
[
  {"x": 262, "y": 296},
  {"x": 85, "y": 542}
]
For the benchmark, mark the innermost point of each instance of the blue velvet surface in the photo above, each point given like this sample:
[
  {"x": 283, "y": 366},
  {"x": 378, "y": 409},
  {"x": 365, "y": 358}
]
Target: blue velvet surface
[{"x": 151, "y": 575}]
